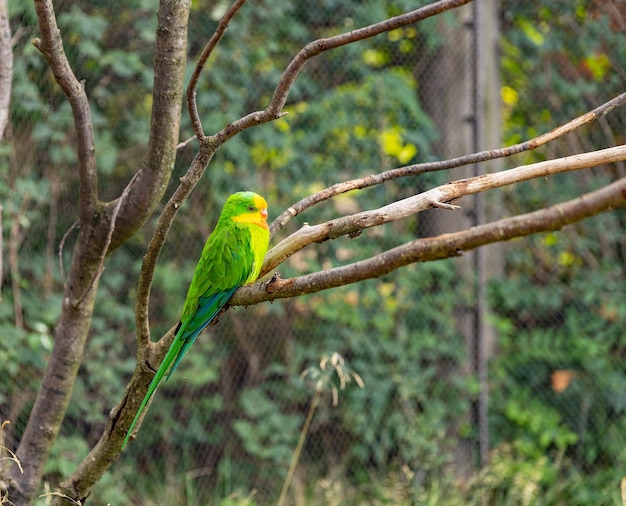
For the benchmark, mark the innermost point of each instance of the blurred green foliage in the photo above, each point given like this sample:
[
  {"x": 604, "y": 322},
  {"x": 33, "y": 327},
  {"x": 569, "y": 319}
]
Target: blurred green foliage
[
  {"x": 222, "y": 432},
  {"x": 558, "y": 379}
]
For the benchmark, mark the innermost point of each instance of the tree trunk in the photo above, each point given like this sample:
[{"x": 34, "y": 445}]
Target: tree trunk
[
  {"x": 6, "y": 66},
  {"x": 103, "y": 227}
]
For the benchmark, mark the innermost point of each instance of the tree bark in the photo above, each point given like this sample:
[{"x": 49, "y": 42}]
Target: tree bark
[
  {"x": 6, "y": 66},
  {"x": 104, "y": 226}
]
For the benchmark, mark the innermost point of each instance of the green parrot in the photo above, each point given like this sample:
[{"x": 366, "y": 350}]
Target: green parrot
[{"x": 232, "y": 257}]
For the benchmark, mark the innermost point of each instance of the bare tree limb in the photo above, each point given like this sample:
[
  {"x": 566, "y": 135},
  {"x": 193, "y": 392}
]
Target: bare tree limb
[
  {"x": 354, "y": 224},
  {"x": 51, "y": 46},
  {"x": 436, "y": 248},
  {"x": 420, "y": 168},
  {"x": 170, "y": 61},
  {"x": 317, "y": 47},
  {"x": 209, "y": 145},
  {"x": 103, "y": 227},
  {"x": 192, "y": 106}
]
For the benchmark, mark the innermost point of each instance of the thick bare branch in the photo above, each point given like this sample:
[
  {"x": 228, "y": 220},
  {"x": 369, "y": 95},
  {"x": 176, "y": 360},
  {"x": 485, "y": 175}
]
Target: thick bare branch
[
  {"x": 51, "y": 46},
  {"x": 436, "y": 248},
  {"x": 210, "y": 144},
  {"x": 354, "y": 224},
  {"x": 420, "y": 168},
  {"x": 103, "y": 227},
  {"x": 150, "y": 182}
]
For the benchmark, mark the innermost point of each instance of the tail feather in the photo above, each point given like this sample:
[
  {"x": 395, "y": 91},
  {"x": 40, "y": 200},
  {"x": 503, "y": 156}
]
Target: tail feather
[
  {"x": 186, "y": 334},
  {"x": 165, "y": 365}
]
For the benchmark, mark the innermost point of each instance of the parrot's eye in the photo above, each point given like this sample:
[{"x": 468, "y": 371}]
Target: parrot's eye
[{"x": 251, "y": 208}]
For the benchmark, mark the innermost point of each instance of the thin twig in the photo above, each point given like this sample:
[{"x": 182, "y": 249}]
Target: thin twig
[
  {"x": 185, "y": 143},
  {"x": 107, "y": 243},
  {"x": 329, "y": 365},
  {"x": 281, "y": 92},
  {"x": 192, "y": 106},
  {"x": 296, "y": 454},
  {"x": 61, "y": 248},
  {"x": 13, "y": 457}
]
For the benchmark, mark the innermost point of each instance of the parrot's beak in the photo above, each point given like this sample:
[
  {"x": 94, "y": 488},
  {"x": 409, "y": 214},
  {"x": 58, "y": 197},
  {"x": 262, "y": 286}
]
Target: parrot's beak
[{"x": 264, "y": 214}]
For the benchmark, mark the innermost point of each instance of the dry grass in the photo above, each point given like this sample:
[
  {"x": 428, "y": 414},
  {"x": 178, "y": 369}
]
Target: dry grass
[
  {"x": 4, "y": 496},
  {"x": 322, "y": 379}
]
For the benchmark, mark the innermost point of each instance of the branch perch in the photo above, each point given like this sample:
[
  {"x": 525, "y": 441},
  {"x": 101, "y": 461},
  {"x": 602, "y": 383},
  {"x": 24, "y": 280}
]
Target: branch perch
[
  {"x": 436, "y": 248},
  {"x": 436, "y": 197}
]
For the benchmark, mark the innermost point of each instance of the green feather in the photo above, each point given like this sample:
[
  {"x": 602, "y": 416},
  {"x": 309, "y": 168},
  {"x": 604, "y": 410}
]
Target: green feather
[{"x": 232, "y": 257}]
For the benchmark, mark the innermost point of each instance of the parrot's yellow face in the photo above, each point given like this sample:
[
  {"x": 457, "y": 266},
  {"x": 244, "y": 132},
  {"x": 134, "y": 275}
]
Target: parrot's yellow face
[{"x": 256, "y": 213}]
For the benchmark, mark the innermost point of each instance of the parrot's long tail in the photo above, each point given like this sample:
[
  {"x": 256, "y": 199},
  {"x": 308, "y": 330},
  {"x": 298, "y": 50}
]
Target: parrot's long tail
[{"x": 186, "y": 334}]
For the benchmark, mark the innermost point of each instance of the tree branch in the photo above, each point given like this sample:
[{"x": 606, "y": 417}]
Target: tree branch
[
  {"x": 436, "y": 248},
  {"x": 279, "y": 98},
  {"x": 420, "y": 168},
  {"x": 170, "y": 60},
  {"x": 354, "y": 224},
  {"x": 209, "y": 145},
  {"x": 51, "y": 46},
  {"x": 134, "y": 205},
  {"x": 155, "y": 246},
  {"x": 103, "y": 228},
  {"x": 6, "y": 66},
  {"x": 192, "y": 106}
]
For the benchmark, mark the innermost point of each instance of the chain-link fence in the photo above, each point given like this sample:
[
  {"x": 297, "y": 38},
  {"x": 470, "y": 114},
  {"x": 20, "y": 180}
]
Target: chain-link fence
[{"x": 493, "y": 378}]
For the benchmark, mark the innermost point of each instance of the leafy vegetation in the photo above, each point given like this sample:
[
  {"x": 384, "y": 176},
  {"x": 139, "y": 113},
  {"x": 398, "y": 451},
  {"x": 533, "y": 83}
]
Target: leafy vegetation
[
  {"x": 223, "y": 431},
  {"x": 557, "y": 381}
]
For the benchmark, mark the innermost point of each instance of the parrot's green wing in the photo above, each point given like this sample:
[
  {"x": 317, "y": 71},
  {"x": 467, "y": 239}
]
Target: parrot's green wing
[{"x": 225, "y": 264}]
